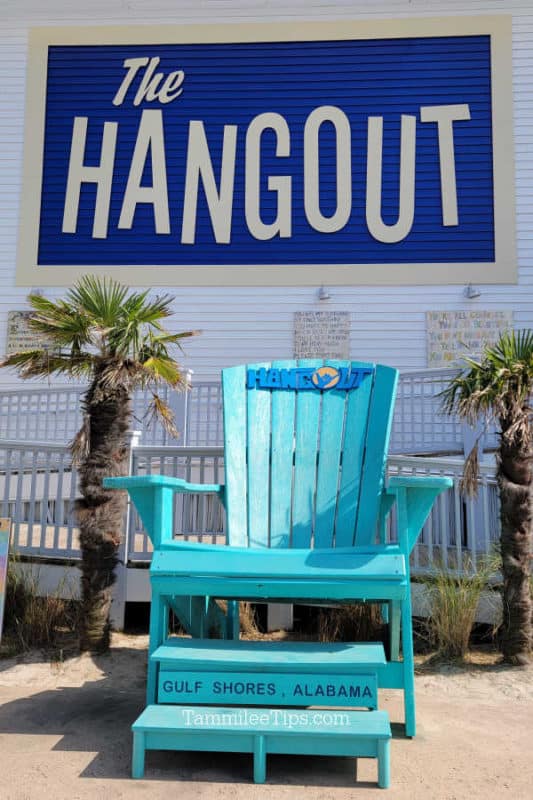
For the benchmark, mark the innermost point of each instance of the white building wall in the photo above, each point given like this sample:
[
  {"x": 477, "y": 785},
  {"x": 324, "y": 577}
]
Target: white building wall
[{"x": 246, "y": 324}]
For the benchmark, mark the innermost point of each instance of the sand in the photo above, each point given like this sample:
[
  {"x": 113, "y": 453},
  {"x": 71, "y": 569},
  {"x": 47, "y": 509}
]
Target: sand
[{"x": 65, "y": 735}]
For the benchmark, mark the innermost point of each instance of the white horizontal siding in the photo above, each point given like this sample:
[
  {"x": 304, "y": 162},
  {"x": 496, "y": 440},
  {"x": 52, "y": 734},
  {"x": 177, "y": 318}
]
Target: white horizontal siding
[{"x": 242, "y": 324}]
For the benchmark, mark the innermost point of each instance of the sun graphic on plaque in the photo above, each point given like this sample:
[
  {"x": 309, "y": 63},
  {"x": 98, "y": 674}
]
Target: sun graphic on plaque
[{"x": 326, "y": 377}]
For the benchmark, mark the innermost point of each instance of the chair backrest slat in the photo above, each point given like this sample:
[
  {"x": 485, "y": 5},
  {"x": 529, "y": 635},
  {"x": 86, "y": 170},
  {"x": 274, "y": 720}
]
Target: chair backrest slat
[
  {"x": 329, "y": 460},
  {"x": 377, "y": 444},
  {"x": 258, "y": 465},
  {"x": 305, "y": 452},
  {"x": 355, "y": 432},
  {"x": 281, "y": 482},
  {"x": 306, "y": 441},
  {"x": 235, "y": 399}
]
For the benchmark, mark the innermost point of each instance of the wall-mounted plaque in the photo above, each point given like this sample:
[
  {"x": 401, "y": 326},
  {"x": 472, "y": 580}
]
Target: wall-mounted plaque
[
  {"x": 322, "y": 334},
  {"x": 452, "y": 335},
  {"x": 20, "y": 336}
]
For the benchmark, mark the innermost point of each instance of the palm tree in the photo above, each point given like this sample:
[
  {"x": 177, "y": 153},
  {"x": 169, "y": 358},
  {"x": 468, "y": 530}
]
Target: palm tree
[
  {"x": 113, "y": 338},
  {"x": 499, "y": 387}
]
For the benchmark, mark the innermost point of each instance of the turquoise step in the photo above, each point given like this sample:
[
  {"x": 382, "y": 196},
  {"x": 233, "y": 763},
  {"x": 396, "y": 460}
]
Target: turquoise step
[
  {"x": 268, "y": 673},
  {"x": 262, "y": 656},
  {"x": 261, "y": 731}
]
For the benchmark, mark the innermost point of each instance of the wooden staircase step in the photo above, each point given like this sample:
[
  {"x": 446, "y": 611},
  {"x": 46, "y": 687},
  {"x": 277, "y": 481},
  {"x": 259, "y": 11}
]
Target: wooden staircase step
[
  {"x": 268, "y": 673},
  {"x": 261, "y": 656},
  {"x": 261, "y": 731}
]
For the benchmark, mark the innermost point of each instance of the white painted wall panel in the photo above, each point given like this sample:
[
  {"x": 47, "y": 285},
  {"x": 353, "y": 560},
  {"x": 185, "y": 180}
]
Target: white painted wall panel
[{"x": 241, "y": 324}]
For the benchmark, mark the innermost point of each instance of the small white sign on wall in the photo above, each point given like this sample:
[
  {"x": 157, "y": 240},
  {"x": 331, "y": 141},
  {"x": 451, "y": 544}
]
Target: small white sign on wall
[
  {"x": 452, "y": 335},
  {"x": 322, "y": 334},
  {"x": 20, "y": 336}
]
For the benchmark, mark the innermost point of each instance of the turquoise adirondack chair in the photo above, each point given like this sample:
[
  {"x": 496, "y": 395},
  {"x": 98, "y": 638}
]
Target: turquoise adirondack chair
[{"x": 306, "y": 501}]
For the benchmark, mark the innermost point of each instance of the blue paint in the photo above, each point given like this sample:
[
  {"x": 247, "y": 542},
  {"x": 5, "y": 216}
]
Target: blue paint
[
  {"x": 298, "y": 378},
  {"x": 230, "y": 84}
]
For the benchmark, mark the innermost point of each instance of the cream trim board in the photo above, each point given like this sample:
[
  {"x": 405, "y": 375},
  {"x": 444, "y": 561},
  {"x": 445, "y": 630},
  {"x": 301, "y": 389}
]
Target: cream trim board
[
  {"x": 270, "y": 32},
  {"x": 504, "y": 269}
]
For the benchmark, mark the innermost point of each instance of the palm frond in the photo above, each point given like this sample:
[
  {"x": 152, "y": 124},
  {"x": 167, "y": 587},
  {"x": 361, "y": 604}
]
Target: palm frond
[
  {"x": 148, "y": 312},
  {"x": 167, "y": 339},
  {"x": 161, "y": 411},
  {"x": 487, "y": 386},
  {"x": 163, "y": 368},
  {"x": 63, "y": 325},
  {"x": 101, "y": 299},
  {"x": 469, "y": 482},
  {"x": 79, "y": 446},
  {"x": 41, "y": 364}
]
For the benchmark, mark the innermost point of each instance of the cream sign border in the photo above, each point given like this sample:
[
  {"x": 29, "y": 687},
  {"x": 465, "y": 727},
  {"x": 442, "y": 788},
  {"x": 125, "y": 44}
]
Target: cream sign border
[{"x": 503, "y": 270}]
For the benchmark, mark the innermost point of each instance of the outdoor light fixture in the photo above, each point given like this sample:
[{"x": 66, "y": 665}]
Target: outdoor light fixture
[
  {"x": 323, "y": 293},
  {"x": 471, "y": 292}
]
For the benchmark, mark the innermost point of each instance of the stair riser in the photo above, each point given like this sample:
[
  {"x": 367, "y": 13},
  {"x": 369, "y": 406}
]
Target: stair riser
[
  {"x": 289, "y": 743},
  {"x": 245, "y": 688}
]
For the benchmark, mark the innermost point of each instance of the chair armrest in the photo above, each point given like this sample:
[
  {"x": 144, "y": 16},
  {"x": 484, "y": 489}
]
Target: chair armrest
[
  {"x": 414, "y": 496},
  {"x": 440, "y": 482},
  {"x": 153, "y": 497},
  {"x": 166, "y": 481}
]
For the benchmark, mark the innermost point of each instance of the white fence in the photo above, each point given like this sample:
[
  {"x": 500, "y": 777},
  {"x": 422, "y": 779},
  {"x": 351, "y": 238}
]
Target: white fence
[
  {"x": 53, "y": 415},
  {"x": 38, "y": 489}
]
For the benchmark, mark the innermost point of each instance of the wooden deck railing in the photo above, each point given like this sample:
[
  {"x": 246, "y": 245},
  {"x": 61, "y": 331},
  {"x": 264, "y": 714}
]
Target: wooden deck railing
[
  {"x": 38, "y": 489},
  {"x": 53, "y": 415}
]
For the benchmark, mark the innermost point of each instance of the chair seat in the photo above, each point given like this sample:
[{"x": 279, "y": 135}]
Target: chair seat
[{"x": 257, "y": 573}]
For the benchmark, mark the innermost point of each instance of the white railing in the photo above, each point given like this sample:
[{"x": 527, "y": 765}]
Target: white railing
[
  {"x": 53, "y": 415},
  {"x": 38, "y": 490}
]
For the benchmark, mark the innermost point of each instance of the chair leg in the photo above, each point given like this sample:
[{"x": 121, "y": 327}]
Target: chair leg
[
  {"x": 198, "y": 627},
  {"x": 158, "y": 633},
  {"x": 259, "y": 759},
  {"x": 233, "y": 628},
  {"x": 408, "y": 667},
  {"x": 384, "y": 763},
  {"x": 137, "y": 763},
  {"x": 394, "y": 630}
]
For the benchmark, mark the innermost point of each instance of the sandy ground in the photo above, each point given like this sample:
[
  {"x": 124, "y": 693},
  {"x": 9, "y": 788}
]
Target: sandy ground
[{"x": 65, "y": 735}]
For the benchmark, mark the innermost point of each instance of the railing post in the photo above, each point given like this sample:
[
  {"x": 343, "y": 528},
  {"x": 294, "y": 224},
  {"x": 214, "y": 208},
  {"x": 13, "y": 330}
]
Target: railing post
[{"x": 120, "y": 587}]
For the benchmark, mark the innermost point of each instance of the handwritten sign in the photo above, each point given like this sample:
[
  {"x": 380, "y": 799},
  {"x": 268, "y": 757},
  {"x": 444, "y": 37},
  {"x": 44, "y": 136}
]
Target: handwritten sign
[
  {"x": 5, "y": 527},
  {"x": 452, "y": 335},
  {"x": 20, "y": 336},
  {"x": 258, "y": 689},
  {"x": 322, "y": 334}
]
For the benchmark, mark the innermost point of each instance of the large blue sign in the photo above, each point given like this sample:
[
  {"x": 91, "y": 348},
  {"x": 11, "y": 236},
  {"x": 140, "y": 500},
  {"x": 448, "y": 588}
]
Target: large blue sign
[
  {"x": 353, "y": 152},
  {"x": 317, "y": 152}
]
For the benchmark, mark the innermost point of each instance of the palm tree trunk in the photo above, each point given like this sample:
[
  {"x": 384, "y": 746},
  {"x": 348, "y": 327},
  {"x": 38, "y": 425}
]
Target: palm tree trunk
[
  {"x": 101, "y": 513},
  {"x": 515, "y": 481}
]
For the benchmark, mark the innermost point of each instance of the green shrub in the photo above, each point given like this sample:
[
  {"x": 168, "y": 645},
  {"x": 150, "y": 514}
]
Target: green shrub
[
  {"x": 32, "y": 620},
  {"x": 350, "y": 623},
  {"x": 454, "y": 600}
]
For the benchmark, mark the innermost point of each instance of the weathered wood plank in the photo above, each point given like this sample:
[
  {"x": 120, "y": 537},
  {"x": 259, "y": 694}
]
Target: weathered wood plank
[{"x": 308, "y": 405}]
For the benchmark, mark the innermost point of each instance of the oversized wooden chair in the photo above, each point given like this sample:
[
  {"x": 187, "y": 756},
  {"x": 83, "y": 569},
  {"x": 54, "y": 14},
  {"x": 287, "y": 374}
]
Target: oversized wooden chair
[{"x": 306, "y": 501}]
